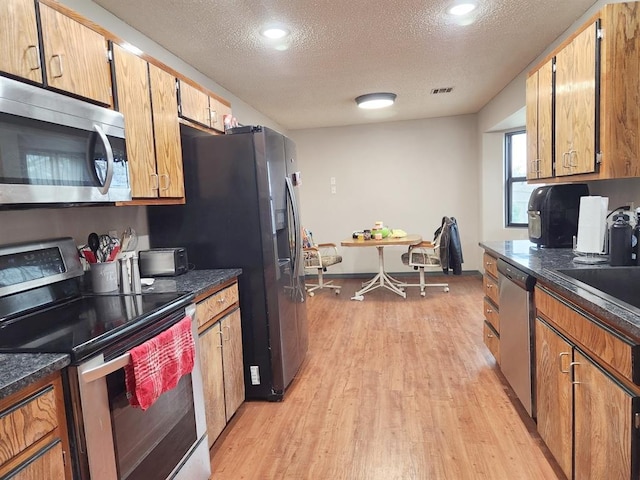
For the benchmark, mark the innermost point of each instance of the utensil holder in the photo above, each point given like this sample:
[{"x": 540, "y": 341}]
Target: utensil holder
[{"x": 104, "y": 277}]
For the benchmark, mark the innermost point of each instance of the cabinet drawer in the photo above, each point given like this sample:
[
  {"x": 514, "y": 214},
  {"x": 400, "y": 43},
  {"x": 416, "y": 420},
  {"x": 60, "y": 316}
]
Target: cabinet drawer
[
  {"x": 492, "y": 341},
  {"x": 490, "y": 265},
  {"x": 27, "y": 422},
  {"x": 492, "y": 315},
  {"x": 216, "y": 304},
  {"x": 491, "y": 289},
  {"x": 590, "y": 334}
]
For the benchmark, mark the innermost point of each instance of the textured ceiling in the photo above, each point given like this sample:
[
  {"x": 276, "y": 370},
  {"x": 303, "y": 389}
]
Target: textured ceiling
[{"x": 338, "y": 50}]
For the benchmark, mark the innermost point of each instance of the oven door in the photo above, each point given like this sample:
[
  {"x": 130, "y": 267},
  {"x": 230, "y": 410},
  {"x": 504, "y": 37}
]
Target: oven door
[{"x": 116, "y": 441}]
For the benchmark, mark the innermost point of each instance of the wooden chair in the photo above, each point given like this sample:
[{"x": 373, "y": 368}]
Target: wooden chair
[
  {"x": 425, "y": 255},
  {"x": 319, "y": 257}
]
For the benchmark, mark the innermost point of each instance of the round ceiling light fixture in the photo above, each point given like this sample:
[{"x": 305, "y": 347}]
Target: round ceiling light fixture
[
  {"x": 461, "y": 8},
  {"x": 274, "y": 33},
  {"x": 376, "y": 100}
]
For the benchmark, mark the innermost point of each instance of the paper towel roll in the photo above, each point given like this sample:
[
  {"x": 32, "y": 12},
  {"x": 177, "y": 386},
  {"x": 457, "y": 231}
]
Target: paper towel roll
[{"x": 592, "y": 224}]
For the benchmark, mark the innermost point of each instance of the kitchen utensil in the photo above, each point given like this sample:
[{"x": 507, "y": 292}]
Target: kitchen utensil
[{"x": 93, "y": 242}]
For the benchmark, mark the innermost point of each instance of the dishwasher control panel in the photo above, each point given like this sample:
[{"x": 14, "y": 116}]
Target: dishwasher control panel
[{"x": 517, "y": 276}]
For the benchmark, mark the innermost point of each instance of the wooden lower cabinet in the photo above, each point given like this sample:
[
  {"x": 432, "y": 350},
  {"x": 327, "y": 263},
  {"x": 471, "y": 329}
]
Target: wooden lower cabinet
[
  {"x": 213, "y": 380},
  {"x": 554, "y": 394},
  {"x": 587, "y": 418},
  {"x": 491, "y": 327},
  {"x": 220, "y": 343},
  {"x": 33, "y": 433}
]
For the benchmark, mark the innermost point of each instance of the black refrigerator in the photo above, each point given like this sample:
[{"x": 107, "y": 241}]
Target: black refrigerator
[{"x": 242, "y": 211}]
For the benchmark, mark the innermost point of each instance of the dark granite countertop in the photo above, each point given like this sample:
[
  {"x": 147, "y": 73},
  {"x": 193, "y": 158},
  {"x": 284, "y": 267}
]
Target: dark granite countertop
[
  {"x": 19, "y": 370},
  {"x": 543, "y": 263},
  {"x": 196, "y": 281}
]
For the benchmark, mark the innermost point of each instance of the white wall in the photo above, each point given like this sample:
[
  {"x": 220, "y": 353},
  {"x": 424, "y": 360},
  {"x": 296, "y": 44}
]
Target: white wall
[{"x": 407, "y": 174}]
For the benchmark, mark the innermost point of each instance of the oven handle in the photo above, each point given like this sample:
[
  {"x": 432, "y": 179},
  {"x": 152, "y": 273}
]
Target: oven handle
[{"x": 106, "y": 368}]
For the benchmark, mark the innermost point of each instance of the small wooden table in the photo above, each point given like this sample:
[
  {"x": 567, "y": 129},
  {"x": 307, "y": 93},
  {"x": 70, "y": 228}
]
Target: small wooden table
[{"x": 382, "y": 278}]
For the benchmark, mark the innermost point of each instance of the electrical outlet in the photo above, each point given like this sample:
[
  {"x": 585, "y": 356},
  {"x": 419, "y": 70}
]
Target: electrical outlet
[
  {"x": 333, "y": 189},
  {"x": 255, "y": 374}
]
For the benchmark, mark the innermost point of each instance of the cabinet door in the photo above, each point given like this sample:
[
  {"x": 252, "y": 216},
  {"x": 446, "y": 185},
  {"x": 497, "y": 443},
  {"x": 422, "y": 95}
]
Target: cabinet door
[
  {"x": 76, "y": 57},
  {"x": 575, "y": 96},
  {"x": 233, "y": 364},
  {"x": 49, "y": 463},
  {"x": 554, "y": 394},
  {"x": 539, "y": 92},
  {"x": 19, "y": 51},
  {"x": 164, "y": 101},
  {"x": 194, "y": 104},
  {"x": 218, "y": 111},
  {"x": 603, "y": 424},
  {"x": 134, "y": 102},
  {"x": 210, "y": 343}
]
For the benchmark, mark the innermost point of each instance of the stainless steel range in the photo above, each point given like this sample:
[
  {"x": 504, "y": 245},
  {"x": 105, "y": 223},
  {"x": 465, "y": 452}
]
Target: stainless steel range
[{"x": 42, "y": 310}]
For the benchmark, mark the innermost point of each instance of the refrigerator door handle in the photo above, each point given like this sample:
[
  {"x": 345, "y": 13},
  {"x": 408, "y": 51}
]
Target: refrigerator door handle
[{"x": 296, "y": 228}]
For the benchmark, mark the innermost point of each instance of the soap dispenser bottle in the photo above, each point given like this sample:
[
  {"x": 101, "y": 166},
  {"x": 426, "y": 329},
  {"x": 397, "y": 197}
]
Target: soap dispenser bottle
[{"x": 620, "y": 241}]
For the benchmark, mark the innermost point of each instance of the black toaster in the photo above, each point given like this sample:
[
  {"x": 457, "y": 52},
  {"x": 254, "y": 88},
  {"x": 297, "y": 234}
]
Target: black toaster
[{"x": 163, "y": 262}]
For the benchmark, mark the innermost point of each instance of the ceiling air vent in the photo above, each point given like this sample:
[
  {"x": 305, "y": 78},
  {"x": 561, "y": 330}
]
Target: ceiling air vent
[{"x": 435, "y": 91}]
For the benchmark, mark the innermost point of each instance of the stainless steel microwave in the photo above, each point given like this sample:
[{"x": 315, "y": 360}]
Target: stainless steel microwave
[{"x": 56, "y": 149}]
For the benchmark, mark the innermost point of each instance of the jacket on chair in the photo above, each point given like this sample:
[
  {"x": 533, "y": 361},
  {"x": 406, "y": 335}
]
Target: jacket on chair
[{"x": 450, "y": 246}]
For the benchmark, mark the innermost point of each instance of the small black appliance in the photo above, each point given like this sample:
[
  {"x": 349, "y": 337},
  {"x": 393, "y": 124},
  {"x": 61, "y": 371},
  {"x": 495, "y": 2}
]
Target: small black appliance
[{"x": 553, "y": 214}]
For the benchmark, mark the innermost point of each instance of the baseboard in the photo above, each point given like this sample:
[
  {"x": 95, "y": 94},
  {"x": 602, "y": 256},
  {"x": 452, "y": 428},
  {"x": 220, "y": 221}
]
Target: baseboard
[{"x": 329, "y": 276}]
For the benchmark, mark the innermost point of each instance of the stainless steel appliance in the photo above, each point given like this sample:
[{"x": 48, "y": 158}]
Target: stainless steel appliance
[
  {"x": 59, "y": 150},
  {"x": 159, "y": 262},
  {"x": 516, "y": 345},
  {"x": 42, "y": 311},
  {"x": 553, "y": 214},
  {"x": 242, "y": 211}
]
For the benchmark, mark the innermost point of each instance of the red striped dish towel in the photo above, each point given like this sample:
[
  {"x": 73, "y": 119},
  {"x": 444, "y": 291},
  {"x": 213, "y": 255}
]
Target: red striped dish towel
[{"x": 157, "y": 365}]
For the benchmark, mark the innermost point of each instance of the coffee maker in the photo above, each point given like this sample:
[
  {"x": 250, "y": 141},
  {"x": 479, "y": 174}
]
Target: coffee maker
[{"x": 553, "y": 214}]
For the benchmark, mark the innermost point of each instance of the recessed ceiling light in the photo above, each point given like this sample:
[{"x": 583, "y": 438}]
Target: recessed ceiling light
[
  {"x": 461, "y": 8},
  {"x": 275, "y": 32},
  {"x": 376, "y": 100}
]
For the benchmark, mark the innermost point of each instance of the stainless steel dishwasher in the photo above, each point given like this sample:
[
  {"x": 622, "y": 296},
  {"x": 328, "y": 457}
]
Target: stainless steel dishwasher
[{"x": 516, "y": 320}]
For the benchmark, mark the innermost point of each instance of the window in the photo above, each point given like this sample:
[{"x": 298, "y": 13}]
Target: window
[{"x": 517, "y": 191}]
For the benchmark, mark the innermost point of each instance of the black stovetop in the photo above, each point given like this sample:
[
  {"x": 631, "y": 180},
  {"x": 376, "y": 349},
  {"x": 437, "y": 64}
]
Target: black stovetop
[{"x": 88, "y": 324}]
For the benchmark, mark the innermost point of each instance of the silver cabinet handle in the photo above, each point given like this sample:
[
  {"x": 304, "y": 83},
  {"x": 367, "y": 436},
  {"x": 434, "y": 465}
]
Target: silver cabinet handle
[
  {"x": 490, "y": 335},
  {"x": 156, "y": 184},
  {"x": 563, "y": 354},
  {"x": 58, "y": 56},
  {"x": 489, "y": 311},
  {"x": 573, "y": 365},
  {"x": 35, "y": 57},
  {"x": 167, "y": 183}
]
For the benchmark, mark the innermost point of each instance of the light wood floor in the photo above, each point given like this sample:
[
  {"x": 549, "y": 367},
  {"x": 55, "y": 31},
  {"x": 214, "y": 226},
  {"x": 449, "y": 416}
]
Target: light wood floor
[{"x": 391, "y": 389}]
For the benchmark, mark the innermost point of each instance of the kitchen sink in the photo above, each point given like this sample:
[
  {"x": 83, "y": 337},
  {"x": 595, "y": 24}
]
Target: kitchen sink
[{"x": 621, "y": 283}]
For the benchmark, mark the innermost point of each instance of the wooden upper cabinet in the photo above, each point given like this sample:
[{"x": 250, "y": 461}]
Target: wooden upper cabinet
[
  {"x": 194, "y": 104},
  {"x": 134, "y": 102},
  {"x": 597, "y": 121},
  {"x": 19, "y": 47},
  {"x": 76, "y": 57},
  {"x": 197, "y": 106},
  {"x": 576, "y": 97},
  {"x": 218, "y": 112},
  {"x": 164, "y": 101},
  {"x": 539, "y": 91}
]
